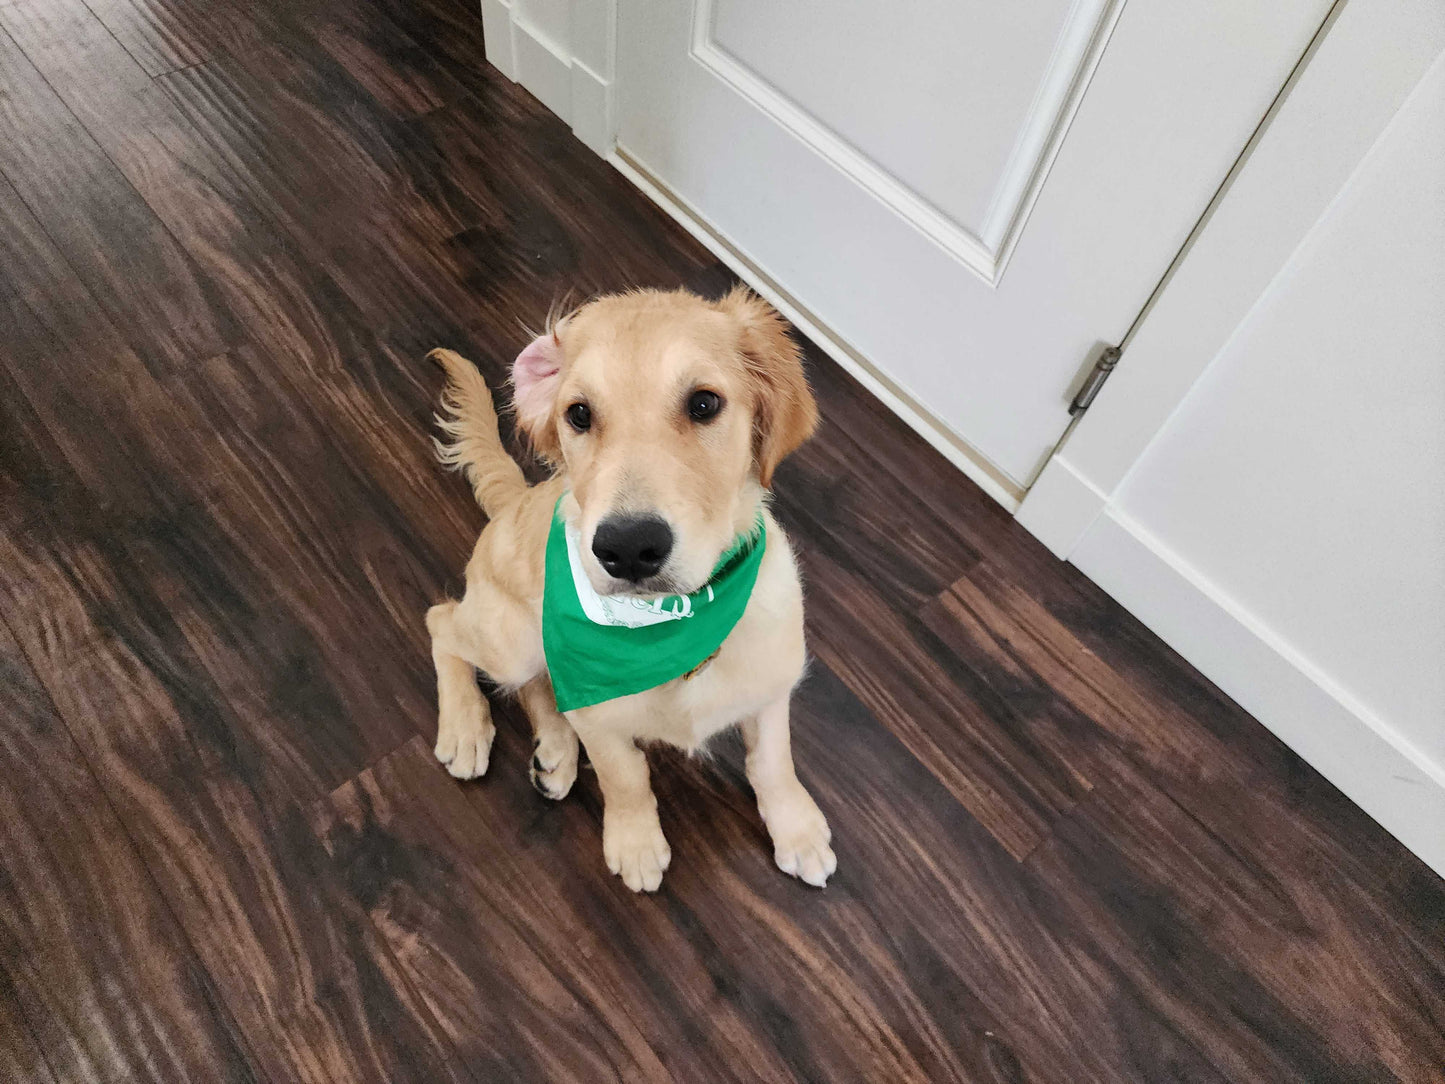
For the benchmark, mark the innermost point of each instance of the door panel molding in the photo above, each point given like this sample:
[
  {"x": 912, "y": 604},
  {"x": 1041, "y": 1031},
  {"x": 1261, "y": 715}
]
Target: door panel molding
[
  {"x": 914, "y": 414},
  {"x": 985, "y": 251}
]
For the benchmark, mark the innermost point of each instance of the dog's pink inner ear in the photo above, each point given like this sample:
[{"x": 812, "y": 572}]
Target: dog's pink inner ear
[{"x": 535, "y": 376}]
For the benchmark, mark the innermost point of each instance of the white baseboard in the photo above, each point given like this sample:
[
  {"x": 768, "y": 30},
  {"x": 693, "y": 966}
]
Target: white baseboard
[
  {"x": 497, "y": 37},
  {"x": 562, "y": 83},
  {"x": 949, "y": 445},
  {"x": 1060, "y": 506},
  {"x": 542, "y": 67},
  {"x": 591, "y": 120},
  {"x": 1376, "y": 767}
]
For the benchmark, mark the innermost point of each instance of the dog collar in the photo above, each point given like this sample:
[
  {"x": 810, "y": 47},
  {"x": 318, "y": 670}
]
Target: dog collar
[{"x": 600, "y": 647}]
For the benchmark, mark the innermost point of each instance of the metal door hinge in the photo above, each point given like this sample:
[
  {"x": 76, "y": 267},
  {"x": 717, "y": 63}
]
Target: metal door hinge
[{"x": 1095, "y": 380}]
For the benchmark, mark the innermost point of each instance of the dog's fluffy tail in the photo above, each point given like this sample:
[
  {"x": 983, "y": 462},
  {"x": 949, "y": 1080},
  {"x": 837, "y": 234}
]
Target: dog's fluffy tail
[{"x": 472, "y": 444}]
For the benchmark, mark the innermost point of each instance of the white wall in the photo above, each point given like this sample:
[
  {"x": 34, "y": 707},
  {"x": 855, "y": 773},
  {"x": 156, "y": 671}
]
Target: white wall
[{"x": 1286, "y": 528}]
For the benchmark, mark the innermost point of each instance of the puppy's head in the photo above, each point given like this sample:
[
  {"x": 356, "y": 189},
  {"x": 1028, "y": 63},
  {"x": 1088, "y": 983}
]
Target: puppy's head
[{"x": 668, "y": 414}]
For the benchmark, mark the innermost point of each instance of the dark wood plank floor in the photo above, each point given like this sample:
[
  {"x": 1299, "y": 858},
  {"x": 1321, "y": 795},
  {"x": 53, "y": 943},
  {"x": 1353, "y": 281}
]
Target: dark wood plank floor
[{"x": 229, "y": 230}]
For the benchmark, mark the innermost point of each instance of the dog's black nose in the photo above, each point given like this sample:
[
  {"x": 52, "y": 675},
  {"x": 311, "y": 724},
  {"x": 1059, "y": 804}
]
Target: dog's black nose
[{"x": 632, "y": 547}]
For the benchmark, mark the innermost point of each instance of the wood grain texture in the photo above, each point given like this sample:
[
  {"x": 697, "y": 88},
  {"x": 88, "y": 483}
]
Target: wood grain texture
[
  {"x": 228, "y": 234},
  {"x": 20, "y": 1054},
  {"x": 944, "y": 712},
  {"x": 95, "y": 967},
  {"x": 209, "y": 799},
  {"x": 165, "y": 35},
  {"x": 121, "y": 251}
]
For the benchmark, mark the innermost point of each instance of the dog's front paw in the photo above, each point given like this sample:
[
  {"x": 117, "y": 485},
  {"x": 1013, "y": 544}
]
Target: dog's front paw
[
  {"x": 801, "y": 836},
  {"x": 635, "y": 848},
  {"x": 464, "y": 741},
  {"x": 554, "y": 764}
]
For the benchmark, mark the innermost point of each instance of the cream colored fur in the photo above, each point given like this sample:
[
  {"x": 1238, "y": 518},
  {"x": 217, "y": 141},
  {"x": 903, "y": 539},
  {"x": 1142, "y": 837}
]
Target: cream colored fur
[{"x": 634, "y": 358}]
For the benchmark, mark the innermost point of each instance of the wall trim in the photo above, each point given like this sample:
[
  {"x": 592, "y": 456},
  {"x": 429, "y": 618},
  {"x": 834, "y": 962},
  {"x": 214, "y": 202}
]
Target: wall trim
[
  {"x": 1375, "y": 766},
  {"x": 560, "y": 81},
  {"x": 951, "y": 446},
  {"x": 986, "y": 251},
  {"x": 1060, "y": 506},
  {"x": 497, "y": 37}
]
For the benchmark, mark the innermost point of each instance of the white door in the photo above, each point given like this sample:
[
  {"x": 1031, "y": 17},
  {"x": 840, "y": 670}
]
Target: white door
[{"x": 975, "y": 196}]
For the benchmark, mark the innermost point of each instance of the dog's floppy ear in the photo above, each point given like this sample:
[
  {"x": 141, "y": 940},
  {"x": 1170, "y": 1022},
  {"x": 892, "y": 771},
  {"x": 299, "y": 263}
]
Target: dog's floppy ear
[
  {"x": 536, "y": 376},
  {"x": 784, "y": 413}
]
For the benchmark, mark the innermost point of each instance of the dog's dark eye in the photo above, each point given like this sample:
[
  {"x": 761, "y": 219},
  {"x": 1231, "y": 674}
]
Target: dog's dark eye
[
  {"x": 703, "y": 406},
  {"x": 579, "y": 417}
]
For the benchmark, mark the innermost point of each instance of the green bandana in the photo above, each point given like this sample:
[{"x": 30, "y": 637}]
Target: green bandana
[{"x": 601, "y": 647}]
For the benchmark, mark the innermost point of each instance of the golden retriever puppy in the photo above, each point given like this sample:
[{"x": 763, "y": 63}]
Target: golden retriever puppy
[{"x": 644, "y": 592}]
